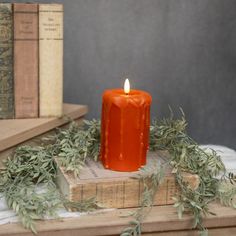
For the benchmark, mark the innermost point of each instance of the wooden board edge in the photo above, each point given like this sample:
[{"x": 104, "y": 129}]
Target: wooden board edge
[
  {"x": 34, "y": 141},
  {"x": 160, "y": 219},
  {"x": 51, "y": 124}
]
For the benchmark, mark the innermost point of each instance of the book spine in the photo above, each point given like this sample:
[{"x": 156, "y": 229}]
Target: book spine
[
  {"x": 6, "y": 62},
  {"x": 50, "y": 59},
  {"x": 26, "y": 60}
]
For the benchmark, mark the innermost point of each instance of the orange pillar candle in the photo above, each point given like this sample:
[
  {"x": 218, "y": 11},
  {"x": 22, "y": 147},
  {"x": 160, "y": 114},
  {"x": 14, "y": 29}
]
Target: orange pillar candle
[{"x": 125, "y": 128}]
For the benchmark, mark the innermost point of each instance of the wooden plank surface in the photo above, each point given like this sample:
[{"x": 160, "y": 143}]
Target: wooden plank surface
[
  {"x": 15, "y": 131},
  {"x": 162, "y": 220},
  {"x": 114, "y": 189},
  {"x": 229, "y": 231}
]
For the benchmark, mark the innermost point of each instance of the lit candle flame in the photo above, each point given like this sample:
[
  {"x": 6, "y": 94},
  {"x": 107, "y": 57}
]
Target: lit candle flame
[{"x": 127, "y": 86}]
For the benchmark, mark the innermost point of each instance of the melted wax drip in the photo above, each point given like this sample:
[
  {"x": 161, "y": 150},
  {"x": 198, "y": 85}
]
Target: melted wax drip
[
  {"x": 142, "y": 117},
  {"x": 106, "y": 131},
  {"x": 121, "y": 135}
]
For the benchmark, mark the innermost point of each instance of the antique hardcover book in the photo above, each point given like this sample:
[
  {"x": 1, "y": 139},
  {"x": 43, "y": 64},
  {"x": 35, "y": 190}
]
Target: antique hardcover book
[
  {"x": 50, "y": 59},
  {"x": 26, "y": 60},
  {"x": 6, "y": 62}
]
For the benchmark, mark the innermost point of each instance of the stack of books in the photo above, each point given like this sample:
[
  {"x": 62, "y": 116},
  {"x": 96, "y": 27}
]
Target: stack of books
[{"x": 31, "y": 60}]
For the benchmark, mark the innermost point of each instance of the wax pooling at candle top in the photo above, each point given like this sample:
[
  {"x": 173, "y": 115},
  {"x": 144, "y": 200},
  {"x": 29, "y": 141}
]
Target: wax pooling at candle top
[{"x": 125, "y": 129}]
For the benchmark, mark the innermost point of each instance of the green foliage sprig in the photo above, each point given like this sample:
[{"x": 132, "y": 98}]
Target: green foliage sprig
[
  {"x": 28, "y": 168},
  {"x": 31, "y": 168},
  {"x": 226, "y": 193},
  {"x": 186, "y": 155},
  {"x": 73, "y": 145},
  {"x": 151, "y": 177}
]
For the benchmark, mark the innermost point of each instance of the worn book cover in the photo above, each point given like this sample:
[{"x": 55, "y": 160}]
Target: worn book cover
[
  {"x": 50, "y": 59},
  {"x": 26, "y": 60},
  {"x": 6, "y": 62}
]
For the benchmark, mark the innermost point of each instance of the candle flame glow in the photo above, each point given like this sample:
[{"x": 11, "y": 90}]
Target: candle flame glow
[{"x": 127, "y": 86}]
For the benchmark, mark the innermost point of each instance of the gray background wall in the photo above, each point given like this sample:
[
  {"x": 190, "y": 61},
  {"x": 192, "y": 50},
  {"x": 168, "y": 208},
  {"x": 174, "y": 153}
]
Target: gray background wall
[{"x": 183, "y": 52}]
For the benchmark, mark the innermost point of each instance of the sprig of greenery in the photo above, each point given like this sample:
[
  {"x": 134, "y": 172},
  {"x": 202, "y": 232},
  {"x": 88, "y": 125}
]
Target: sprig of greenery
[
  {"x": 151, "y": 177},
  {"x": 74, "y": 145},
  {"x": 31, "y": 205},
  {"x": 227, "y": 194},
  {"x": 31, "y": 167},
  {"x": 186, "y": 155},
  {"x": 25, "y": 170}
]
